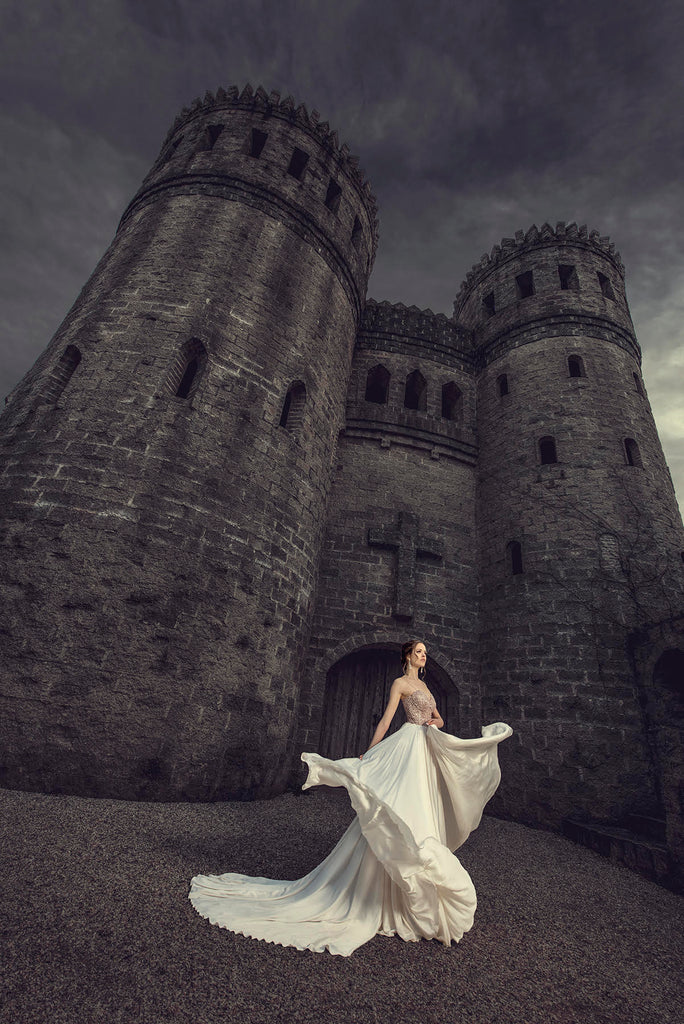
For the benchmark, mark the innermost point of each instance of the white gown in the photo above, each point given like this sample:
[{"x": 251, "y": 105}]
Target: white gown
[{"x": 417, "y": 795}]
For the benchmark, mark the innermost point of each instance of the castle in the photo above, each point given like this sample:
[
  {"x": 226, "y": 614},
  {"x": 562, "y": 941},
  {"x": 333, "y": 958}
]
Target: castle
[{"x": 232, "y": 486}]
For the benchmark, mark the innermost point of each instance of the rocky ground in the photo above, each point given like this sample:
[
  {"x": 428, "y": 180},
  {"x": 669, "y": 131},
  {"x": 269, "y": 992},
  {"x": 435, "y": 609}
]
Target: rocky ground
[{"x": 96, "y": 925}]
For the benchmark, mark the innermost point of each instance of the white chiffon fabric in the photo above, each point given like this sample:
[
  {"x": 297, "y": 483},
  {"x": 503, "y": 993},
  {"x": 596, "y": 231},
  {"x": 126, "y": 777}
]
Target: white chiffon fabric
[{"x": 417, "y": 795}]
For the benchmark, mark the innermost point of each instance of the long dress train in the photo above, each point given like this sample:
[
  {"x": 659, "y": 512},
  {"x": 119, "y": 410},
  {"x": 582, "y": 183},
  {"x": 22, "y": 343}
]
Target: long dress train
[{"x": 417, "y": 795}]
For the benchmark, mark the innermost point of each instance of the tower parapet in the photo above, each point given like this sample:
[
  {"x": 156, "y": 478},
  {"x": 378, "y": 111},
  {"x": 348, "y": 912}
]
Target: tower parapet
[
  {"x": 563, "y": 281},
  {"x": 258, "y": 149}
]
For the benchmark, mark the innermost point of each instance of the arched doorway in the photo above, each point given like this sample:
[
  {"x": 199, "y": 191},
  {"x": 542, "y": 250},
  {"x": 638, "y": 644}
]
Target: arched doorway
[{"x": 356, "y": 693}]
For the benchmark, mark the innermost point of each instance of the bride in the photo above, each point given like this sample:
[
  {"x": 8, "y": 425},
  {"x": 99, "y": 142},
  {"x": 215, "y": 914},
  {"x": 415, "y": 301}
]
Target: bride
[{"x": 417, "y": 797}]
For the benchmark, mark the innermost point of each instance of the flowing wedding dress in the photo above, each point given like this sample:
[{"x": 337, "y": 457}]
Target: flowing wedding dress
[{"x": 417, "y": 795}]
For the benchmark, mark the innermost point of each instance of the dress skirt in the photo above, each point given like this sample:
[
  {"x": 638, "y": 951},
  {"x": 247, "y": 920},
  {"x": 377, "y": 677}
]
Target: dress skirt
[{"x": 417, "y": 795}]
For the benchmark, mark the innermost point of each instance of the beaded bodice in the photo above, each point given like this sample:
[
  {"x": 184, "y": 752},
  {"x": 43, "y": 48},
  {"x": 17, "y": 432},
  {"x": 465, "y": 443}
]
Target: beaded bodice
[{"x": 418, "y": 707}]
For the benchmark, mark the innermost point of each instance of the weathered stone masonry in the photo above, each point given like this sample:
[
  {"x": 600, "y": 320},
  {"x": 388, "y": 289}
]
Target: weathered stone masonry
[{"x": 231, "y": 486}]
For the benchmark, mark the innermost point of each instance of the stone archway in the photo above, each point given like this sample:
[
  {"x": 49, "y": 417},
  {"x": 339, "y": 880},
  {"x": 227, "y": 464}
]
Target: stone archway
[{"x": 356, "y": 693}]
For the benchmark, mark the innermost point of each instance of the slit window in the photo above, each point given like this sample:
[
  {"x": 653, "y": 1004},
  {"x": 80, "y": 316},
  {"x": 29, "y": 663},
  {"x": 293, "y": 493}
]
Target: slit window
[
  {"x": 298, "y": 163},
  {"x": 547, "y": 451},
  {"x": 632, "y": 453},
  {"x": 489, "y": 304},
  {"x": 257, "y": 142},
  {"x": 356, "y": 234},
  {"x": 452, "y": 402},
  {"x": 502, "y": 384},
  {"x": 61, "y": 375},
  {"x": 605, "y": 286},
  {"x": 377, "y": 385},
  {"x": 524, "y": 284},
  {"x": 638, "y": 385},
  {"x": 292, "y": 415},
  {"x": 415, "y": 393},
  {"x": 576, "y": 366},
  {"x": 213, "y": 134},
  {"x": 332, "y": 196},
  {"x": 567, "y": 274},
  {"x": 187, "y": 370},
  {"x": 514, "y": 557}
]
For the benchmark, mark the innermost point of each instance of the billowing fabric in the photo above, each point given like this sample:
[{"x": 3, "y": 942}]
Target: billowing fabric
[{"x": 417, "y": 795}]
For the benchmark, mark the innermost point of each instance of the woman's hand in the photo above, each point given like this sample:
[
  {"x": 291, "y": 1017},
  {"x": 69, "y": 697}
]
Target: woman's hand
[{"x": 436, "y": 719}]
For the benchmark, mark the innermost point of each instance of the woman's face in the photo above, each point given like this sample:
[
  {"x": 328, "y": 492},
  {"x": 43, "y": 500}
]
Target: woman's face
[{"x": 418, "y": 655}]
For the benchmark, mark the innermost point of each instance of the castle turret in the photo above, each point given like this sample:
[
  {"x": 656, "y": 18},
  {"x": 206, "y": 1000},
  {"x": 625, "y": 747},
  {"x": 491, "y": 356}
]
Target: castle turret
[
  {"x": 579, "y": 531},
  {"x": 166, "y": 466}
]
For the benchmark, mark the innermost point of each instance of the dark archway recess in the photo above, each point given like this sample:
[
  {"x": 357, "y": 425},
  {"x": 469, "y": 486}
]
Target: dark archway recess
[
  {"x": 668, "y": 676},
  {"x": 356, "y": 694}
]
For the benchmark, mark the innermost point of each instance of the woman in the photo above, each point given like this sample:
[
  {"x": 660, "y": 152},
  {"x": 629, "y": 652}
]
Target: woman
[{"x": 417, "y": 796}]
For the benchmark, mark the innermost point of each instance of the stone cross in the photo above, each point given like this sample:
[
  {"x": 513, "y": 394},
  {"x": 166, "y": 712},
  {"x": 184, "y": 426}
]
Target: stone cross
[{"x": 406, "y": 540}]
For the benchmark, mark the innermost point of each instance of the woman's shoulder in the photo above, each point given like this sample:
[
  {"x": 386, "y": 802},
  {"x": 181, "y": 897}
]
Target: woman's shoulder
[{"x": 401, "y": 685}]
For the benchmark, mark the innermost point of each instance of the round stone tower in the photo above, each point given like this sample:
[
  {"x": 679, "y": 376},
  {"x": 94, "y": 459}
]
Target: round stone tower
[
  {"x": 580, "y": 538},
  {"x": 166, "y": 466}
]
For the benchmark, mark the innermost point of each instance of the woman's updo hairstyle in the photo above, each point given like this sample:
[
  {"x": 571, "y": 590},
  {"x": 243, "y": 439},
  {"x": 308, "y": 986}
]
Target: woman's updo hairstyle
[{"x": 406, "y": 652}]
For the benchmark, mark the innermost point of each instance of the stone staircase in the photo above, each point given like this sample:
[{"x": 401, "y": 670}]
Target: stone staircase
[{"x": 637, "y": 841}]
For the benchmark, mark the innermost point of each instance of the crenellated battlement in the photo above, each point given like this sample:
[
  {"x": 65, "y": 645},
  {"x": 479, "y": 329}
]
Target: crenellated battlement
[
  {"x": 411, "y": 322},
  {"x": 533, "y": 238},
  {"x": 272, "y": 105}
]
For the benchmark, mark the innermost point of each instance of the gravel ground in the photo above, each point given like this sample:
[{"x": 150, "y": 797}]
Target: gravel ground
[{"x": 97, "y": 927}]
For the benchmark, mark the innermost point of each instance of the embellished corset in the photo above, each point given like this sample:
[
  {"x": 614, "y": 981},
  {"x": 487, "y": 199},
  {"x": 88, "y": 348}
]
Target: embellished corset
[{"x": 418, "y": 707}]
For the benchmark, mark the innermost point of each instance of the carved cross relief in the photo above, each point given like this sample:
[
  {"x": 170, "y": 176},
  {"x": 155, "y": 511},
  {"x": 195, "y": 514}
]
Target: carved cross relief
[{"x": 409, "y": 544}]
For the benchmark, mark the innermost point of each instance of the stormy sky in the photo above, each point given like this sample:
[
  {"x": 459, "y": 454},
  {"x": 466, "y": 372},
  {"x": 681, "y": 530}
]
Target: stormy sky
[{"x": 472, "y": 120}]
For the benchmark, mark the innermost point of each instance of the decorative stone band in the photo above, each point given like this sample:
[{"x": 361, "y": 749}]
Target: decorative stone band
[
  {"x": 238, "y": 190},
  {"x": 417, "y": 348},
  {"x": 568, "y": 325},
  {"x": 430, "y": 442}
]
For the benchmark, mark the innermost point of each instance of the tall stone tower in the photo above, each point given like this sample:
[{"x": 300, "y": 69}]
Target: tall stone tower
[
  {"x": 166, "y": 466},
  {"x": 580, "y": 535}
]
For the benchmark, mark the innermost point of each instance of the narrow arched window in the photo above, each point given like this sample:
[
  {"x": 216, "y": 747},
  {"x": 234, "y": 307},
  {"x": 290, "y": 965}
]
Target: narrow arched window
[
  {"x": 452, "y": 402},
  {"x": 524, "y": 285},
  {"x": 298, "y": 163},
  {"x": 377, "y": 385},
  {"x": 292, "y": 416},
  {"x": 257, "y": 142},
  {"x": 332, "y": 196},
  {"x": 212, "y": 134},
  {"x": 502, "y": 384},
  {"x": 185, "y": 374},
  {"x": 638, "y": 385},
  {"x": 415, "y": 393},
  {"x": 514, "y": 557},
  {"x": 357, "y": 233},
  {"x": 568, "y": 277},
  {"x": 605, "y": 286},
  {"x": 576, "y": 366},
  {"x": 61, "y": 375},
  {"x": 632, "y": 452},
  {"x": 547, "y": 451},
  {"x": 489, "y": 304}
]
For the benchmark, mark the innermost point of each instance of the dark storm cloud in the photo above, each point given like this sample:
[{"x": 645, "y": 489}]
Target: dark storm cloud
[{"x": 472, "y": 120}]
